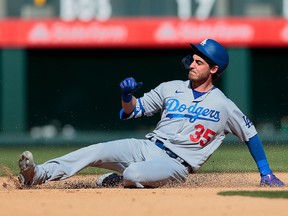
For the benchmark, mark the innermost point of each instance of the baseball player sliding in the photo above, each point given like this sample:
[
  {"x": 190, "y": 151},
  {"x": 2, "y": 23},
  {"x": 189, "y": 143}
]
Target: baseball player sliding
[{"x": 195, "y": 117}]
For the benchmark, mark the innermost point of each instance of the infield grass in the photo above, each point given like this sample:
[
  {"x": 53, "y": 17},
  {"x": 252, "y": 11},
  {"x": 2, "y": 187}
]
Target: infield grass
[
  {"x": 228, "y": 158},
  {"x": 263, "y": 194}
]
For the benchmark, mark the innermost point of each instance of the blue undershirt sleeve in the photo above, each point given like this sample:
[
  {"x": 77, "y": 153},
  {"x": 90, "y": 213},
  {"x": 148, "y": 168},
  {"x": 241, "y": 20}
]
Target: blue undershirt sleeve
[
  {"x": 257, "y": 151},
  {"x": 123, "y": 115}
]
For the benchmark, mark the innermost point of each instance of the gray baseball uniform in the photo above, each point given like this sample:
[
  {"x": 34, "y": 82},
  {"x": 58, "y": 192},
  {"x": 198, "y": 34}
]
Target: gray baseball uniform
[{"x": 191, "y": 128}]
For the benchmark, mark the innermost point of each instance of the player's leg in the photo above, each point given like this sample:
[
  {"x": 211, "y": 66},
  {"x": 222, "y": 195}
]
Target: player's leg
[
  {"x": 114, "y": 155},
  {"x": 155, "y": 170},
  {"x": 154, "y": 173}
]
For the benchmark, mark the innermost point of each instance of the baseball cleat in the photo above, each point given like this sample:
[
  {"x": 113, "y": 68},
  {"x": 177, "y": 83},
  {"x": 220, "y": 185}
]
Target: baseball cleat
[
  {"x": 27, "y": 169},
  {"x": 271, "y": 180},
  {"x": 109, "y": 180}
]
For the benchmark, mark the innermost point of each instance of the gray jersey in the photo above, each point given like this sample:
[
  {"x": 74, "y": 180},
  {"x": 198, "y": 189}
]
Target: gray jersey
[{"x": 192, "y": 128}]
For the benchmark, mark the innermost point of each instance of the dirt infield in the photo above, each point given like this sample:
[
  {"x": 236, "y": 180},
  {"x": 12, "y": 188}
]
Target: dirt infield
[{"x": 198, "y": 196}]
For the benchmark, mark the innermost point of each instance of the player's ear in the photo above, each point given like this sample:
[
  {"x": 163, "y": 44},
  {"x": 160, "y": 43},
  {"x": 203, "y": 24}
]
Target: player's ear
[{"x": 214, "y": 69}]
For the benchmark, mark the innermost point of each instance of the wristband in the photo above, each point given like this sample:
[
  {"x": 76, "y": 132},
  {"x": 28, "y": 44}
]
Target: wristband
[
  {"x": 126, "y": 98},
  {"x": 263, "y": 167}
]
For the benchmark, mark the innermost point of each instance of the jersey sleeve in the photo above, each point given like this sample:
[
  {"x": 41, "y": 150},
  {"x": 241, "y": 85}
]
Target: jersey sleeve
[
  {"x": 239, "y": 124},
  {"x": 147, "y": 105}
]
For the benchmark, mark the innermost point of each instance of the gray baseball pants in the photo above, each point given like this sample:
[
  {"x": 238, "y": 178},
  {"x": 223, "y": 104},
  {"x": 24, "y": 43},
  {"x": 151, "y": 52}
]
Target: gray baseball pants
[{"x": 141, "y": 162}]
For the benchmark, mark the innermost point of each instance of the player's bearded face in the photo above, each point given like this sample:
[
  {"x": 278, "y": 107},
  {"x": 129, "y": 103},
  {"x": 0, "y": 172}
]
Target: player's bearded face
[{"x": 199, "y": 70}]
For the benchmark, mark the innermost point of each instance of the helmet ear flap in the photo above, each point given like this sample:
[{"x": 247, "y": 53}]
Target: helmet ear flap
[{"x": 186, "y": 62}]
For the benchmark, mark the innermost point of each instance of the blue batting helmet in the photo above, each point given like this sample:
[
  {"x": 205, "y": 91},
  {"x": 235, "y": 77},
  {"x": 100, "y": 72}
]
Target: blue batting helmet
[{"x": 213, "y": 52}]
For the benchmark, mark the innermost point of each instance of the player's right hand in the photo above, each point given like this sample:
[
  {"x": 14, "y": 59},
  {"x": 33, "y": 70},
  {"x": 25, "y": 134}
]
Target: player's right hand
[
  {"x": 271, "y": 180},
  {"x": 129, "y": 85}
]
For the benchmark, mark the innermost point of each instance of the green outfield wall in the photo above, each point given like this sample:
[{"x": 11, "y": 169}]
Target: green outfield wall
[{"x": 79, "y": 87}]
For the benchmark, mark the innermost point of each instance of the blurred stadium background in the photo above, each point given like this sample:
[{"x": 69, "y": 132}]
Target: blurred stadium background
[{"x": 61, "y": 62}]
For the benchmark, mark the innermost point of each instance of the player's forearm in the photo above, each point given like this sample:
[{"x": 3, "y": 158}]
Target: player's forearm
[
  {"x": 257, "y": 151},
  {"x": 128, "y": 107}
]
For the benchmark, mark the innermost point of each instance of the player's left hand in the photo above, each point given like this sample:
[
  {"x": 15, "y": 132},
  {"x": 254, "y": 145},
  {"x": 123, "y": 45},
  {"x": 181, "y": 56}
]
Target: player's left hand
[{"x": 270, "y": 180}]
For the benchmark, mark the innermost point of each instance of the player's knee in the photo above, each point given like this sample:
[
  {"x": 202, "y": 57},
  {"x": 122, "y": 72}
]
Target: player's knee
[{"x": 132, "y": 177}]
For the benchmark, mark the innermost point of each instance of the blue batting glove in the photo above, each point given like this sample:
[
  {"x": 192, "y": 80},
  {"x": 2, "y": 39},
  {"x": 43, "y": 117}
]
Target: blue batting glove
[
  {"x": 128, "y": 86},
  {"x": 270, "y": 180}
]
